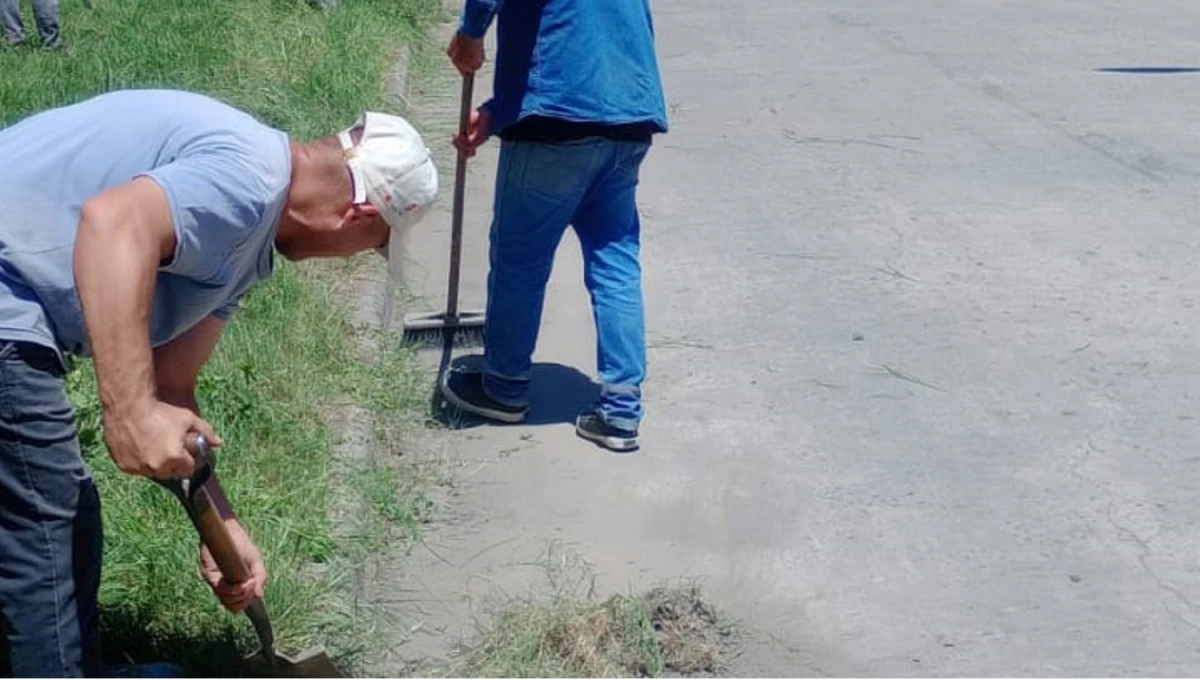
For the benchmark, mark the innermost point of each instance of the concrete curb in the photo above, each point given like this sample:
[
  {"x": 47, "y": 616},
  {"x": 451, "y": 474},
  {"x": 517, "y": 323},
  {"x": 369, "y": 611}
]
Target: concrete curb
[
  {"x": 376, "y": 305},
  {"x": 370, "y": 303},
  {"x": 400, "y": 81}
]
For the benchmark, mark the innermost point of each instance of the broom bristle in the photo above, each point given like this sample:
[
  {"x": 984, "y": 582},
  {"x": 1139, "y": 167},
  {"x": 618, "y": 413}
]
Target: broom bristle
[{"x": 460, "y": 336}]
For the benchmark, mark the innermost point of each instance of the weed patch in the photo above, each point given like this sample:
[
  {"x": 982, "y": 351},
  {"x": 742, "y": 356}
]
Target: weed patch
[{"x": 667, "y": 631}]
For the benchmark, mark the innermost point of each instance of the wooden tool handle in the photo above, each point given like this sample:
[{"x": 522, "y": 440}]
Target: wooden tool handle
[
  {"x": 212, "y": 529},
  {"x": 220, "y": 543},
  {"x": 464, "y": 104},
  {"x": 456, "y": 216}
]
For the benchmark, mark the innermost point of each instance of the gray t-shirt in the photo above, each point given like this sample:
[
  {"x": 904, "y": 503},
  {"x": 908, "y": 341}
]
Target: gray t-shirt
[{"x": 225, "y": 174}]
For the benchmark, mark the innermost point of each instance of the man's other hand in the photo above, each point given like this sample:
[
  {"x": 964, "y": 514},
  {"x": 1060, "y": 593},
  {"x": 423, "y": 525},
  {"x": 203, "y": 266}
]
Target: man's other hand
[
  {"x": 236, "y": 597},
  {"x": 466, "y": 53},
  {"x": 479, "y": 128}
]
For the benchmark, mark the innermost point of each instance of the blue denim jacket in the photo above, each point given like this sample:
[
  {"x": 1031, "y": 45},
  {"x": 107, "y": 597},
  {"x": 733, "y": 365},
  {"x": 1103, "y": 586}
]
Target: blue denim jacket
[{"x": 590, "y": 61}]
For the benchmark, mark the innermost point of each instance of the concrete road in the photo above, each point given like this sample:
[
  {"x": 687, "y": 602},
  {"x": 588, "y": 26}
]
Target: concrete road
[{"x": 921, "y": 282}]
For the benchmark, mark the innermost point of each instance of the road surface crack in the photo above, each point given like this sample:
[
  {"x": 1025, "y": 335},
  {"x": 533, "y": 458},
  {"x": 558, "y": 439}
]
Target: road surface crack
[{"x": 1145, "y": 552}]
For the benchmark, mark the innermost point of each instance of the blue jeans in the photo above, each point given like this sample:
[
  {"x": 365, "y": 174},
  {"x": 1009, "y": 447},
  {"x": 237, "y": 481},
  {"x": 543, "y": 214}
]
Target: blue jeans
[
  {"x": 45, "y": 13},
  {"x": 541, "y": 188},
  {"x": 50, "y": 530}
]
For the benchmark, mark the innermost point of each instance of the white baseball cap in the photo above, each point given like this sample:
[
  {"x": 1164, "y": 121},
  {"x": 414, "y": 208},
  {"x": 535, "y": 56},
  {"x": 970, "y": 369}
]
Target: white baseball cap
[{"x": 392, "y": 170}]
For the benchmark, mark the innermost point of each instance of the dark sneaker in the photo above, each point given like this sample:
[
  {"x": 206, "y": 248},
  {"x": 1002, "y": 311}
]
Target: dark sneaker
[
  {"x": 464, "y": 389},
  {"x": 592, "y": 427}
]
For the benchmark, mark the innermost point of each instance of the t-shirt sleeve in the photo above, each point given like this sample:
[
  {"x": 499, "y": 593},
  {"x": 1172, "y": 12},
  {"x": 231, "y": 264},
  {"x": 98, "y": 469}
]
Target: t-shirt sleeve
[
  {"x": 217, "y": 199},
  {"x": 225, "y": 311}
]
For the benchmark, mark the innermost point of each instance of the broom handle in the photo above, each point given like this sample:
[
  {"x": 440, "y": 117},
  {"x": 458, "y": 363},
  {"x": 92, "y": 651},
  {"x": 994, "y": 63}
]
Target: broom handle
[{"x": 456, "y": 220}]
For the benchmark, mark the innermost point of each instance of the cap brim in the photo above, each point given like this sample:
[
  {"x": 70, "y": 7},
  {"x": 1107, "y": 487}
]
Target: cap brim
[
  {"x": 397, "y": 254},
  {"x": 397, "y": 249}
]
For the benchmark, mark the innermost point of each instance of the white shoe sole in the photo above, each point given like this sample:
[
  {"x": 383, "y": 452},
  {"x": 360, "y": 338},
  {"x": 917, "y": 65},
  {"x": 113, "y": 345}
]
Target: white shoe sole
[{"x": 607, "y": 441}]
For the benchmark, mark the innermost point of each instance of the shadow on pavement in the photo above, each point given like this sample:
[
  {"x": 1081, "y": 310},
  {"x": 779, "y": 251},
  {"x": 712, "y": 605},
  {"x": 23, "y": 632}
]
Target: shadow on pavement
[
  {"x": 1149, "y": 70},
  {"x": 558, "y": 394}
]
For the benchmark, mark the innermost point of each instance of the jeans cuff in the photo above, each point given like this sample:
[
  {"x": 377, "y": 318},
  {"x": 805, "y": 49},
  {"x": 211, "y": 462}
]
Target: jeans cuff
[
  {"x": 620, "y": 390},
  {"x": 506, "y": 390},
  {"x": 630, "y": 424}
]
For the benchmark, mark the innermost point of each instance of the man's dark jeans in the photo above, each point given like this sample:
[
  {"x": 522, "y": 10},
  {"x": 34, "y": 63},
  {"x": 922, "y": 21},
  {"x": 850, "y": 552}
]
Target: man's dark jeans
[{"x": 50, "y": 531}]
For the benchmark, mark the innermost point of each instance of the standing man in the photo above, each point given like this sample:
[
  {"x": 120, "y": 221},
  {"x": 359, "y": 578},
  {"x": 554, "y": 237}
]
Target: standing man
[
  {"x": 131, "y": 225},
  {"x": 577, "y": 100},
  {"x": 46, "y": 16}
]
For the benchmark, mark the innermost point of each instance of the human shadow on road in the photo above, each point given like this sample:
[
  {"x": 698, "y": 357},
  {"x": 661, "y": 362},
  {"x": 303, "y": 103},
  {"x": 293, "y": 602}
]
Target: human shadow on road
[
  {"x": 558, "y": 394},
  {"x": 1149, "y": 70}
]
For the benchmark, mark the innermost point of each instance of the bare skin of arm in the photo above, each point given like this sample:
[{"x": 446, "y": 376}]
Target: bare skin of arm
[
  {"x": 124, "y": 235},
  {"x": 148, "y": 396},
  {"x": 177, "y": 366}
]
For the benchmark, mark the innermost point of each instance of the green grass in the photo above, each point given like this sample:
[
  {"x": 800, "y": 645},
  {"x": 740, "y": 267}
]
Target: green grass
[
  {"x": 267, "y": 390},
  {"x": 287, "y": 359},
  {"x": 306, "y": 70}
]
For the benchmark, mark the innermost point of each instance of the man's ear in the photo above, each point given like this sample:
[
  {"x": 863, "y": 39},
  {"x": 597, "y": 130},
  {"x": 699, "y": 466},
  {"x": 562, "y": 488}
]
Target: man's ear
[{"x": 357, "y": 214}]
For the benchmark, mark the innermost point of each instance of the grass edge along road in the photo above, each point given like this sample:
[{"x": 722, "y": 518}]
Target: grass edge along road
[{"x": 285, "y": 362}]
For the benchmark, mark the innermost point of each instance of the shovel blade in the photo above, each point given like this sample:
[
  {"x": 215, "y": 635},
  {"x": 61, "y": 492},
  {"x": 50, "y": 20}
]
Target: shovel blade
[{"x": 311, "y": 663}]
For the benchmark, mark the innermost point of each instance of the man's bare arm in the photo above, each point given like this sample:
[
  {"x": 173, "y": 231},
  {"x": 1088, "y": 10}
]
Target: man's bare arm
[
  {"x": 124, "y": 235},
  {"x": 177, "y": 367},
  {"x": 177, "y": 364}
]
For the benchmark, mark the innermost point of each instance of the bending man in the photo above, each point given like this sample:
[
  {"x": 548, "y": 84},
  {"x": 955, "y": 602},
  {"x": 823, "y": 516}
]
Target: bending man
[{"x": 131, "y": 225}]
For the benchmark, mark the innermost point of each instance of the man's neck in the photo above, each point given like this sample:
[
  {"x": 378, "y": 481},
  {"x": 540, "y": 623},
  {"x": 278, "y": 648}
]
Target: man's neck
[{"x": 315, "y": 196}]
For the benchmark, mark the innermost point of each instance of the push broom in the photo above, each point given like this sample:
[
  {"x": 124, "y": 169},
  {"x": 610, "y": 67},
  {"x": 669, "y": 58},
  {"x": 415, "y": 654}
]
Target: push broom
[{"x": 454, "y": 326}]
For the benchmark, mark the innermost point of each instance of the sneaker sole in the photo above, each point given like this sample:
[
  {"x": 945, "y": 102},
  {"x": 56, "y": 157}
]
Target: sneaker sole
[
  {"x": 620, "y": 444},
  {"x": 491, "y": 414}
]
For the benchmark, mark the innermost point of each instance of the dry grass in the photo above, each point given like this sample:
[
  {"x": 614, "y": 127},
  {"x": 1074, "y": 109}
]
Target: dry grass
[
  {"x": 690, "y": 631},
  {"x": 668, "y": 631}
]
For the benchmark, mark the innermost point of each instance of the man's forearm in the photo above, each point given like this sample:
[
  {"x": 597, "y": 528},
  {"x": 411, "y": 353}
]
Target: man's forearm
[
  {"x": 477, "y": 16},
  {"x": 115, "y": 271}
]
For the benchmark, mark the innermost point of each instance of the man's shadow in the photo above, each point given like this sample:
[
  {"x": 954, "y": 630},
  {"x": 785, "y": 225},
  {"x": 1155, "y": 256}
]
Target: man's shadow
[{"x": 558, "y": 394}]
